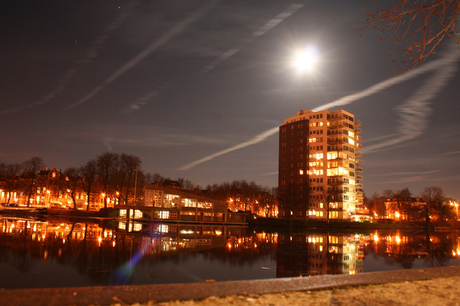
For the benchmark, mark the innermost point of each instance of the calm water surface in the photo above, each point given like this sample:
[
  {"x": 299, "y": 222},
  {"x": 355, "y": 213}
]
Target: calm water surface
[{"x": 59, "y": 253}]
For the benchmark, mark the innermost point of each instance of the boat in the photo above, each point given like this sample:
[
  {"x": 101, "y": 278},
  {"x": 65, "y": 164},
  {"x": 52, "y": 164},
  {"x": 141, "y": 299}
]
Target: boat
[{"x": 5, "y": 207}]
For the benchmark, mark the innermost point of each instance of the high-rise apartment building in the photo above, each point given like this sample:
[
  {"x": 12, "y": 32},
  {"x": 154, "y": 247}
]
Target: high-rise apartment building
[{"x": 320, "y": 171}]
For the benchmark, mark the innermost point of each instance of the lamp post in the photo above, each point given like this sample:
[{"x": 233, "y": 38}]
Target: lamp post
[
  {"x": 456, "y": 208},
  {"x": 454, "y": 203}
]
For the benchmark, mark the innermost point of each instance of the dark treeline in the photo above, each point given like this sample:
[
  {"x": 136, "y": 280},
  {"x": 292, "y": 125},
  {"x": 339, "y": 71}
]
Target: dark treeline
[
  {"x": 220, "y": 191},
  {"x": 431, "y": 203}
]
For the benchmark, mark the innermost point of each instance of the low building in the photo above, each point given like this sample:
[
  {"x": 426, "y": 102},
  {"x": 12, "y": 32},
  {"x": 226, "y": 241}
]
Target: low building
[
  {"x": 403, "y": 208},
  {"x": 173, "y": 205}
]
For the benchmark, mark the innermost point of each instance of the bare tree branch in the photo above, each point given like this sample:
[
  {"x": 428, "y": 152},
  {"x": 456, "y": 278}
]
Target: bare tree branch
[{"x": 415, "y": 27}]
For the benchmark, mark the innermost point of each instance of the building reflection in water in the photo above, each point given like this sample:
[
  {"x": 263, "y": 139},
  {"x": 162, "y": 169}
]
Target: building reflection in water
[
  {"x": 107, "y": 254},
  {"x": 319, "y": 253}
]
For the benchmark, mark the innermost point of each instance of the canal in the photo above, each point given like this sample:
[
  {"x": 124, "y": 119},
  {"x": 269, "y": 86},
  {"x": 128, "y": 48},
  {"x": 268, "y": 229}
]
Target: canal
[{"x": 49, "y": 253}]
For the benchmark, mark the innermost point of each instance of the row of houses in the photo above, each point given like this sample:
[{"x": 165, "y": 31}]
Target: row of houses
[
  {"x": 416, "y": 209},
  {"x": 167, "y": 201},
  {"x": 52, "y": 188}
]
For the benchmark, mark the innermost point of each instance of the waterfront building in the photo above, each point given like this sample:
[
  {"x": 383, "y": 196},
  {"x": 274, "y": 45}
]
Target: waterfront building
[
  {"x": 174, "y": 205},
  {"x": 320, "y": 174},
  {"x": 404, "y": 208}
]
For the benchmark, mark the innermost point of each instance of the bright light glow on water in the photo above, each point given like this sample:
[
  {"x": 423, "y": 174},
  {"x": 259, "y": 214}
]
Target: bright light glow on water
[{"x": 37, "y": 254}]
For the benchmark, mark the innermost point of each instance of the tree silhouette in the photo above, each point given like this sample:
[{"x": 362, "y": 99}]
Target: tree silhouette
[
  {"x": 31, "y": 168},
  {"x": 72, "y": 180},
  {"x": 415, "y": 27},
  {"x": 88, "y": 177}
]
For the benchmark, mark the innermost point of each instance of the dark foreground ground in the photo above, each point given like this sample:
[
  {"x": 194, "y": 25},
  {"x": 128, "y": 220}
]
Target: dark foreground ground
[{"x": 432, "y": 286}]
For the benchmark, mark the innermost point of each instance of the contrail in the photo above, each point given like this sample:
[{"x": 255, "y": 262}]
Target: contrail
[
  {"x": 415, "y": 111},
  {"x": 92, "y": 52},
  {"x": 450, "y": 58},
  {"x": 151, "y": 48},
  {"x": 259, "y": 32},
  {"x": 440, "y": 79},
  {"x": 257, "y": 139}
]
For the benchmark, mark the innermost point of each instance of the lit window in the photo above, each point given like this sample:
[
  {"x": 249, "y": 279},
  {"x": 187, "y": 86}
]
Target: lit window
[
  {"x": 188, "y": 202},
  {"x": 206, "y": 205},
  {"x": 164, "y": 214},
  {"x": 170, "y": 200},
  {"x": 137, "y": 227},
  {"x": 164, "y": 228},
  {"x": 137, "y": 214}
]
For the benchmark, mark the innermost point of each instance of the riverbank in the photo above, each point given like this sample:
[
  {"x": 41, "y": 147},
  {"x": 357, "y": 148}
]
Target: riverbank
[
  {"x": 275, "y": 224},
  {"x": 431, "y": 286}
]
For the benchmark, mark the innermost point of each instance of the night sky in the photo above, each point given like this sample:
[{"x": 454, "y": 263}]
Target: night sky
[{"x": 186, "y": 85}]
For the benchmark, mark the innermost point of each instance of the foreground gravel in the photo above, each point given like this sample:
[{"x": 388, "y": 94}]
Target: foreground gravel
[{"x": 441, "y": 291}]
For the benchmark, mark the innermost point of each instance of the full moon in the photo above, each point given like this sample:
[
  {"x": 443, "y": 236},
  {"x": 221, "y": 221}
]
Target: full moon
[{"x": 306, "y": 58}]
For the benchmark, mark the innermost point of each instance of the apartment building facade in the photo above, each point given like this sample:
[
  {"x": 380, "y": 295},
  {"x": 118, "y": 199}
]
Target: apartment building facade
[{"x": 320, "y": 174}]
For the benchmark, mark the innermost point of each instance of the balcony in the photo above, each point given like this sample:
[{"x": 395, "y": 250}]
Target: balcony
[
  {"x": 336, "y": 132},
  {"x": 336, "y": 117},
  {"x": 332, "y": 141},
  {"x": 358, "y": 131},
  {"x": 358, "y": 161},
  {"x": 334, "y": 125},
  {"x": 358, "y": 123},
  {"x": 358, "y": 146},
  {"x": 359, "y": 169},
  {"x": 335, "y": 148},
  {"x": 358, "y": 138},
  {"x": 359, "y": 177},
  {"x": 335, "y": 183},
  {"x": 359, "y": 185},
  {"x": 358, "y": 154}
]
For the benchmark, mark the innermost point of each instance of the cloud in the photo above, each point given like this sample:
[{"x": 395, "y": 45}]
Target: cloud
[
  {"x": 259, "y": 32},
  {"x": 380, "y": 138},
  {"x": 450, "y": 57},
  {"x": 173, "y": 32},
  {"x": 419, "y": 178},
  {"x": 408, "y": 173},
  {"x": 91, "y": 53},
  {"x": 413, "y": 112},
  {"x": 147, "y": 136},
  {"x": 108, "y": 143},
  {"x": 144, "y": 100},
  {"x": 450, "y": 153}
]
